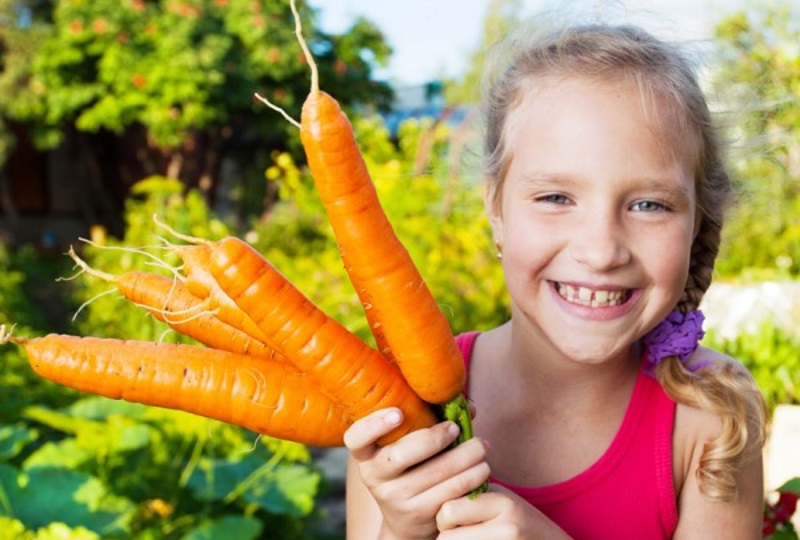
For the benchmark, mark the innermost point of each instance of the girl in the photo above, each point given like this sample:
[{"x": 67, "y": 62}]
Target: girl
[{"x": 597, "y": 414}]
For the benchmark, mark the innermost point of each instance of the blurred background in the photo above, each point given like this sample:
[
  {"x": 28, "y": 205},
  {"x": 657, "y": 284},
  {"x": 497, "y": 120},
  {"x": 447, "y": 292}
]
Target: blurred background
[{"x": 115, "y": 110}]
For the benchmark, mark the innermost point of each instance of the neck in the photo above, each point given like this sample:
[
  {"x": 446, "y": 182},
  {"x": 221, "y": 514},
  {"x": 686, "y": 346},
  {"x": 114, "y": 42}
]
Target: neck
[{"x": 561, "y": 383}]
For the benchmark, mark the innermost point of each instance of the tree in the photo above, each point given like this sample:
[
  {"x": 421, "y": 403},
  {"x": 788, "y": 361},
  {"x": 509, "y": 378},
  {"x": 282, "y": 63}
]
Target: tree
[
  {"x": 165, "y": 87},
  {"x": 759, "y": 71}
]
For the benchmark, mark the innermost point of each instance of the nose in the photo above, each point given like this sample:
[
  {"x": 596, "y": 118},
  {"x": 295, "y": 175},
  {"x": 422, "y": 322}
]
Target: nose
[{"x": 601, "y": 242}]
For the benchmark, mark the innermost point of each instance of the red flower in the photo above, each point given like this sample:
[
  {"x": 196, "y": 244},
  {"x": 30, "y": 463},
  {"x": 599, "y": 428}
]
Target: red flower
[
  {"x": 138, "y": 80},
  {"x": 100, "y": 26},
  {"x": 768, "y": 527},
  {"x": 273, "y": 55},
  {"x": 785, "y": 507}
]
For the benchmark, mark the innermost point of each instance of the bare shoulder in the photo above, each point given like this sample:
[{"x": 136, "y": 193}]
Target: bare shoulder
[{"x": 721, "y": 408}]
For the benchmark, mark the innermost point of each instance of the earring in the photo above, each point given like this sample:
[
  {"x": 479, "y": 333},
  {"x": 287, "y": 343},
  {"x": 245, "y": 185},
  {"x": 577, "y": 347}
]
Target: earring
[{"x": 499, "y": 247}]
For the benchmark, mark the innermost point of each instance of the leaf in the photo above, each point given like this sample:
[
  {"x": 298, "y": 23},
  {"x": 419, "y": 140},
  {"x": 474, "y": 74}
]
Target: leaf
[
  {"x": 214, "y": 479},
  {"x": 57, "y": 420},
  {"x": 100, "y": 408},
  {"x": 276, "y": 486},
  {"x": 782, "y": 535},
  {"x": 239, "y": 527},
  {"x": 290, "y": 491},
  {"x": 13, "y": 529},
  {"x": 115, "y": 434},
  {"x": 14, "y": 438},
  {"x": 792, "y": 485},
  {"x": 67, "y": 454},
  {"x": 60, "y": 531},
  {"x": 70, "y": 497},
  {"x": 8, "y": 488}
]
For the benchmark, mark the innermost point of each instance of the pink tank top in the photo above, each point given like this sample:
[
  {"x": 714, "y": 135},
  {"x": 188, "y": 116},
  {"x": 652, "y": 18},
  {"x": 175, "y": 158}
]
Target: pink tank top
[{"x": 629, "y": 491}]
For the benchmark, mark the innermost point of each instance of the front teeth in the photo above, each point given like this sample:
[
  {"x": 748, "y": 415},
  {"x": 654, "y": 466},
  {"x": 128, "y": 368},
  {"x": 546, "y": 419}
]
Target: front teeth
[{"x": 589, "y": 297}]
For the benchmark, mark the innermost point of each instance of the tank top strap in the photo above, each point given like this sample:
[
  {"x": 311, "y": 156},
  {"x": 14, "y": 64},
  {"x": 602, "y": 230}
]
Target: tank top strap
[{"x": 466, "y": 342}]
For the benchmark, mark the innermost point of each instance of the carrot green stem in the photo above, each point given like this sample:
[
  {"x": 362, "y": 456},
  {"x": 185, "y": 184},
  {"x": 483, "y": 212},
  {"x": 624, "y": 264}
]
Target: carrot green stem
[{"x": 457, "y": 410}]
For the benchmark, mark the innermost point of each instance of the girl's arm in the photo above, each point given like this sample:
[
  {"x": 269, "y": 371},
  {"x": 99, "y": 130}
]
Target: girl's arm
[
  {"x": 699, "y": 515},
  {"x": 396, "y": 491}
]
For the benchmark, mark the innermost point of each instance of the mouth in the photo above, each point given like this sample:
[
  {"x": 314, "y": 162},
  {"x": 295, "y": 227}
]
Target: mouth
[{"x": 595, "y": 298}]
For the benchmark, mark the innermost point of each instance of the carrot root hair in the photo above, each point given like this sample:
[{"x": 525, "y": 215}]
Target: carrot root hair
[
  {"x": 170, "y": 316},
  {"x": 274, "y": 107},
  {"x": 298, "y": 30},
  {"x": 179, "y": 235},
  {"x": 6, "y": 336}
]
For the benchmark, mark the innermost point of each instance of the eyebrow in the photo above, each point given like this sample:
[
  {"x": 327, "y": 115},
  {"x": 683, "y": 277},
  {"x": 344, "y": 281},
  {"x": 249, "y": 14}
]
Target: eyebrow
[{"x": 658, "y": 184}]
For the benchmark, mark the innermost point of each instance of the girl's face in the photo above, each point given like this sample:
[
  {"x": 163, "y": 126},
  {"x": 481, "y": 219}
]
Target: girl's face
[{"x": 596, "y": 217}]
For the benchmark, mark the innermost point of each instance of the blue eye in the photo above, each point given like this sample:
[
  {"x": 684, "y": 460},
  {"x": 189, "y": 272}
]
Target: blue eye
[
  {"x": 649, "y": 206},
  {"x": 554, "y": 198}
]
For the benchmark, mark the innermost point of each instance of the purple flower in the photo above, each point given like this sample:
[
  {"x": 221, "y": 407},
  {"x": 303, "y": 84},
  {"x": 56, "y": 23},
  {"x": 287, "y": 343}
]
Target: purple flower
[{"x": 678, "y": 335}]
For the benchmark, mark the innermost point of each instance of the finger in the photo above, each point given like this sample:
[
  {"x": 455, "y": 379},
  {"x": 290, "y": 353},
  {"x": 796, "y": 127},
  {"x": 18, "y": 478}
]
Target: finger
[
  {"x": 453, "y": 473},
  {"x": 420, "y": 445},
  {"x": 461, "y": 484},
  {"x": 361, "y": 437},
  {"x": 466, "y": 511}
]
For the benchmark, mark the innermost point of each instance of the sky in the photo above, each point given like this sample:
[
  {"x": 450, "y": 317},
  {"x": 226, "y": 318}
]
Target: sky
[{"x": 435, "y": 38}]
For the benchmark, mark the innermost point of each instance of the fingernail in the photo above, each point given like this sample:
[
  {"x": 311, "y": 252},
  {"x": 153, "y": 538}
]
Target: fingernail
[
  {"x": 486, "y": 443},
  {"x": 393, "y": 418},
  {"x": 453, "y": 429}
]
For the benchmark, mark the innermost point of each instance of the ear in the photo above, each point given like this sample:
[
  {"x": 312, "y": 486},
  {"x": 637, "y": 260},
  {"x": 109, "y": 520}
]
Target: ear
[{"x": 494, "y": 210}]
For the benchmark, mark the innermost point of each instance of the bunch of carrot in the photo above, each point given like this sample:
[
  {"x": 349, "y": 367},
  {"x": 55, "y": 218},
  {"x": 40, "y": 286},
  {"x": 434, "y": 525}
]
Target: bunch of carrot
[{"x": 274, "y": 362}]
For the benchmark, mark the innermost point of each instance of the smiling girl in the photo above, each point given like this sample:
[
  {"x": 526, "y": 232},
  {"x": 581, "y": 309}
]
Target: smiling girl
[{"x": 597, "y": 414}]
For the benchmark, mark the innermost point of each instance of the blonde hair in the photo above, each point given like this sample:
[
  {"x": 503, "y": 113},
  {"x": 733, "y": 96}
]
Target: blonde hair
[{"x": 602, "y": 52}]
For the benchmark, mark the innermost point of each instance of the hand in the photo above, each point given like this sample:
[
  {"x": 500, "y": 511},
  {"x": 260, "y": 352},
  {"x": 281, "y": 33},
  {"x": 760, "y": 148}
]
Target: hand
[
  {"x": 411, "y": 478},
  {"x": 498, "y": 514}
]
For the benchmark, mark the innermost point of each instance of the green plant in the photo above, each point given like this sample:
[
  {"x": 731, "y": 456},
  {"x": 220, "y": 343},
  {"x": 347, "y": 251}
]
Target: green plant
[
  {"x": 773, "y": 357},
  {"x": 111, "y": 469}
]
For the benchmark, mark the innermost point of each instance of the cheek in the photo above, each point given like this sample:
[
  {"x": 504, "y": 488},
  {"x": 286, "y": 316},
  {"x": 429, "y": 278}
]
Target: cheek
[
  {"x": 669, "y": 261},
  {"x": 527, "y": 251}
]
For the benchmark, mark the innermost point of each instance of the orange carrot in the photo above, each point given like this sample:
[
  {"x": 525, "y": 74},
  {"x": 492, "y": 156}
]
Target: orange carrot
[
  {"x": 200, "y": 283},
  {"x": 169, "y": 301},
  {"x": 386, "y": 278},
  {"x": 346, "y": 368},
  {"x": 265, "y": 396}
]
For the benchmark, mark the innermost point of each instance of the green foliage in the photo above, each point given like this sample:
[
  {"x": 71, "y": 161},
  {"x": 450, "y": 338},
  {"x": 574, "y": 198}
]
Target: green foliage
[
  {"x": 110, "y": 64},
  {"x": 112, "y": 469},
  {"x": 773, "y": 357},
  {"x": 122, "y": 470},
  {"x": 759, "y": 74},
  {"x": 144, "y": 246},
  {"x": 173, "y": 67}
]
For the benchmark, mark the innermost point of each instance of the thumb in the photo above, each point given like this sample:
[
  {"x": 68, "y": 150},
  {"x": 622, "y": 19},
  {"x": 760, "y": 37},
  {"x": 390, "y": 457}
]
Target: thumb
[{"x": 361, "y": 438}]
